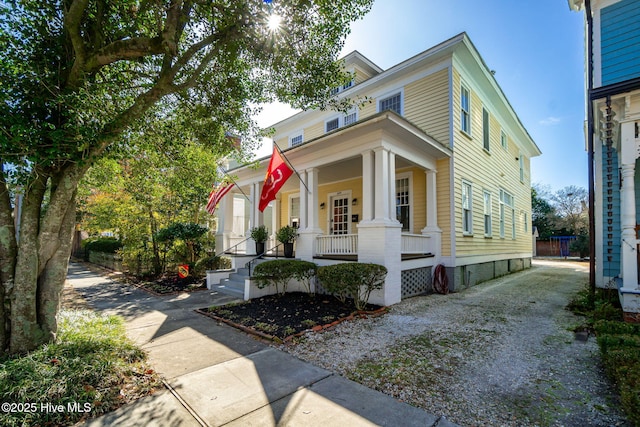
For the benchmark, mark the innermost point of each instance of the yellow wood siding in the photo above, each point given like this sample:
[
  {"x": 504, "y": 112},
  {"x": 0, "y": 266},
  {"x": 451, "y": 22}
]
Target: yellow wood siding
[
  {"x": 360, "y": 76},
  {"x": 313, "y": 131},
  {"x": 490, "y": 171},
  {"x": 426, "y": 104},
  {"x": 444, "y": 206}
]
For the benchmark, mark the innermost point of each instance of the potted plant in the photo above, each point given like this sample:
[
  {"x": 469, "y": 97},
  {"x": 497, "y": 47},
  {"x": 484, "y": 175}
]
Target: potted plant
[
  {"x": 259, "y": 235},
  {"x": 286, "y": 235}
]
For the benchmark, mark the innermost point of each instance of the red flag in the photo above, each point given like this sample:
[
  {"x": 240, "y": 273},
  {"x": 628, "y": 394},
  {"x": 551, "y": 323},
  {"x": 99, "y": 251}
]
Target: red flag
[
  {"x": 277, "y": 174},
  {"x": 216, "y": 195}
]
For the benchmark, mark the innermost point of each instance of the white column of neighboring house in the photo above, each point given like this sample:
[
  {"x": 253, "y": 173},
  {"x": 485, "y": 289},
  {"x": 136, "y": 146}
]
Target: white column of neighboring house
[
  {"x": 225, "y": 223},
  {"x": 379, "y": 233},
  {"x": 309, "y": 228},
  {"x": 630, "y": 290},
  {"x": 432, "y": 230},
  {"x": 255, "y": 216}
]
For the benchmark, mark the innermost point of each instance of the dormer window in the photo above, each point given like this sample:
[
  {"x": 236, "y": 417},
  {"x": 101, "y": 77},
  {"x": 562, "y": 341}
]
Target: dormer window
[
  {"x": 392, "y": 102},
  {"x": 347, "y": 85}
]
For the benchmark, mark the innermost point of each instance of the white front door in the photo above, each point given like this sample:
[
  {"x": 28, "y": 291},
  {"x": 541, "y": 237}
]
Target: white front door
[{"x": 339, "y": 214}]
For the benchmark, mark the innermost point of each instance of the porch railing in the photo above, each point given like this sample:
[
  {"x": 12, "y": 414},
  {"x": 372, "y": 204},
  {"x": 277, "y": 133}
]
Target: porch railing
[
  {"x": 416, "y": 244},
  {"x": 337, "y": 244}
]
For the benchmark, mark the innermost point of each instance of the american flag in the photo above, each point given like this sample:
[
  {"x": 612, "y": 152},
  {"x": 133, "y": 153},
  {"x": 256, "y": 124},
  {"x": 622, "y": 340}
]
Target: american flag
[{"x": 216, "y": 195}]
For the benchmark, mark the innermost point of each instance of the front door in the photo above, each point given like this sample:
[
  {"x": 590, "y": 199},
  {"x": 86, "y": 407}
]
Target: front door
[{"x": 339, "y": 215}]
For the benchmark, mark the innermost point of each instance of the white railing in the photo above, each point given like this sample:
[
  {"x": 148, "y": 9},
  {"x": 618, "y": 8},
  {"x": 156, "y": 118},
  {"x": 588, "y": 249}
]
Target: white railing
[
  {"x": 338, "y": 244},
  {"x": 416, "y": 244}
]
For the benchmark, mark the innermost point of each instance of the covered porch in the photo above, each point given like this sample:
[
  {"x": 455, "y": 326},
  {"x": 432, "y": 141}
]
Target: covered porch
[{"x": 365, "y": 193}]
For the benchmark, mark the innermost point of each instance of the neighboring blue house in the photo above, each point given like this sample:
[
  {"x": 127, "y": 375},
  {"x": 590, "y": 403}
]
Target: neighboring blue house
[{"x": 613, "y": 139}]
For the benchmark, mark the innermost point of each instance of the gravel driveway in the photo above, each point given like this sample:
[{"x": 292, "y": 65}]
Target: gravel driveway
[{"x": 499, "y": 354}]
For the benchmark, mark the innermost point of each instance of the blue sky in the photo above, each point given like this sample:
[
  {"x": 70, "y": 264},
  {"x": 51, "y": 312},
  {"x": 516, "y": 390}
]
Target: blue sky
[{"x": 535, "y": 47}]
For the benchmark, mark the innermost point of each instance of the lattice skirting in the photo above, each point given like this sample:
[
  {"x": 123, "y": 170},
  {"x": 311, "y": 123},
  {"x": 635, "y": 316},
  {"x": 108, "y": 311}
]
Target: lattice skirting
[{"x": 416, "y": 282}]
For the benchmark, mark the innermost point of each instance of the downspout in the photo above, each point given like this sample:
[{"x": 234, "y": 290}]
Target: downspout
[{"x": 590, "y": 149}]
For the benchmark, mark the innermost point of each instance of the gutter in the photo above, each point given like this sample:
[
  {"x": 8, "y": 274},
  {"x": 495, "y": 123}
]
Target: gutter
[{"x": 590, "y": 148}]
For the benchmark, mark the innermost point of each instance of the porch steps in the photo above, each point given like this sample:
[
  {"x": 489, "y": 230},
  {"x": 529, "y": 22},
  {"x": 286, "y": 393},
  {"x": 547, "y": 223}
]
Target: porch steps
[{"x": 234, "y": 284}]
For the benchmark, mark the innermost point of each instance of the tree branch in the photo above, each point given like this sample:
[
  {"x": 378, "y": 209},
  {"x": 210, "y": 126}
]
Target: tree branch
[{"x": 72, "y": 21}]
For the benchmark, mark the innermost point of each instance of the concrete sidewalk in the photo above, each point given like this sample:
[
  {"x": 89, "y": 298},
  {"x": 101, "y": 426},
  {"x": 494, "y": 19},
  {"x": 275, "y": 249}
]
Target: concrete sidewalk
[{"x": 218, "y": 376}]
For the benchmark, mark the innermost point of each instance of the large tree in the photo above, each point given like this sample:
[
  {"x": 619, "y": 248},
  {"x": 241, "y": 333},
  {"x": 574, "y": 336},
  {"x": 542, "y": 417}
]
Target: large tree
[{"x": 78, "y": 78}]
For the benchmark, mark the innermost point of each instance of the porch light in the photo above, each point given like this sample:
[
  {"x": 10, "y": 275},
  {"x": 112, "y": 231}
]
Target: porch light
[{"x": 354, "y": 202}]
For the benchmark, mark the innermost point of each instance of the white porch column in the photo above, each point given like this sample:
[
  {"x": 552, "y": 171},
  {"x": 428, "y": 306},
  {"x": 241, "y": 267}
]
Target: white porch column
[
  {"x": 368, "y": 195},
  {"x": 432, "y": 230},
  {"x": 628, "y": 206},
  {"x": 302, "y": 221},
  {"x": 255, "y": 216},
  {"x": 381, "y": 182},
  {"x": 379, "y": 233},
  {"x": 225, "y": 223},
  {"x": 306, "y": 244}
]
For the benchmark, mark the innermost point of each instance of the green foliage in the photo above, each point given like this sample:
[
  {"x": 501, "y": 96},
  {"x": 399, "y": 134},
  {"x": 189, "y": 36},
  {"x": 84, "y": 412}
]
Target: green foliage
[
  {"x": 108, "y": 245},
  {"x": 260, "y": 234},
  {"x": 357, "y": 280},
  {"x": 581, "y": 245},
  {"x": 91, "y": 362},
  {"x": 620, "y": 346},
  {"x": 212, "y": 263},
  {"x": 278, "y": 273},
  {"x": 286, "y": 234}
]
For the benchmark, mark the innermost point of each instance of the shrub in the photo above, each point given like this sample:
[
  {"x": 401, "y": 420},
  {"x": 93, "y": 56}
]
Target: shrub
[
  {"x": 620, "y": 347},
  {"x": 357, "y": 280},
  {"x": 279, "y": 272},
  {"x": 260, "y": 234},
  {"x": 213, "y": 262},
  {"x": 286, "y": 234},
  {"x": 109, "y": 245}
]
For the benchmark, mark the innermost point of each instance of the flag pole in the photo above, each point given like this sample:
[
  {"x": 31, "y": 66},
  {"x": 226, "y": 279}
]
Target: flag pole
[
  {"x": 291, "y": 166},
  {"x": 220, "y": 168}
]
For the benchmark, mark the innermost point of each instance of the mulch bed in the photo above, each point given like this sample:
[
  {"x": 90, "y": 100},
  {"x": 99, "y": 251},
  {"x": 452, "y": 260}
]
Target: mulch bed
[
  {"x": 169, "y": 284},
  {"x": 284, "y": 317}
]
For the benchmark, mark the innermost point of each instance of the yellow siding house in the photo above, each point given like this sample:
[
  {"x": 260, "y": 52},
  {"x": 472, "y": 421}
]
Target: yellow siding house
[{"x": 434, "y": 168}]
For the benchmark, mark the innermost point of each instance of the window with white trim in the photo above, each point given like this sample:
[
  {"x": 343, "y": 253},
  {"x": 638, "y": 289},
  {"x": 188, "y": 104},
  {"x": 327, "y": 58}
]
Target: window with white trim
[
  {"x": 503, "y": 139},
  {"x": 487, "y": 213},
  {"x": 467, "y": 205},
  {"x": 506, "y": 204},
  {"x": 392, "y": 102},
  {"x": 521, "y": 164},
  {"x": 465, "y": 110},
  {"x": 350, "y": 117},
  {"x": 525, "y": 221},
  {"x": 296, "y": 139},
  {"x": 332, "y": 124},
  {"x": 485, "y": 129},
  {"x": 403, "y": 203}
]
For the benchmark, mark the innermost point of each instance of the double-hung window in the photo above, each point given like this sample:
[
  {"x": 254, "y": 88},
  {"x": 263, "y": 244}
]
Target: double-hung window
[
  {"x": 506, "y": 207},
  {"x": 465, "y": 110},
  {"x": 503, "y": 139},
  {"x": 403, "y": 204},
  {"x": 487, "y": 213},
  {"x": 392, "y": 102},
  {"x": 467, "y": 205}
]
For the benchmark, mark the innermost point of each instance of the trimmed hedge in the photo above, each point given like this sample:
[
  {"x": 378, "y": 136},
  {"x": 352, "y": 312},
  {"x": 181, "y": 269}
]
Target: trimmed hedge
[
  {"x": 109, "y": 245},
  {"x": 357, "y": 280},
  {"x": 620, "y": 347},
  {"x": 278, "y": 273}
]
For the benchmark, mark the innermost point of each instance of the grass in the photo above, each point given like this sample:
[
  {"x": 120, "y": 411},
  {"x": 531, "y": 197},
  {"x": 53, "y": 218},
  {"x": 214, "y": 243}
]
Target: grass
[
  {"x": 92, "y": 369},
  {"x": 619, "y": 344}
]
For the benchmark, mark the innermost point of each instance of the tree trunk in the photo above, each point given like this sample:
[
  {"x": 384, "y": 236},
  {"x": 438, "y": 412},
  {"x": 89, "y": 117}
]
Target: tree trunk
[
  {"x": 26, "y": 333},
  {"x": 51, "y": 281}
]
